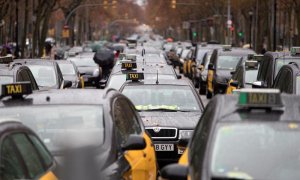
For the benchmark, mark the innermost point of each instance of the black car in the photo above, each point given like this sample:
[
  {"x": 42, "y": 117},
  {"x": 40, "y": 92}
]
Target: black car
[
  {"x": 251, "y": 136},
  {"x": 222, "y": 63},
  {"x": 17, "y": 73},
  {"x": 270, "y": 66},
  {"x": 170, "y": 109},
  {"x": 288, "y": 79},
  {"x": 23, "y": 154},
  {"x": 46, "y": 73},
  {"x": 70, "y": 73},
  {"x": 105, "y": 121},
  {"x": 91, "y": 72}
]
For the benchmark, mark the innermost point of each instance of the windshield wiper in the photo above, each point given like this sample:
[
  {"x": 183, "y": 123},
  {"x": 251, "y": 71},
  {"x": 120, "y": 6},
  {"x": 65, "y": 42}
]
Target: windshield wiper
[{"x": 165, "y": 110}]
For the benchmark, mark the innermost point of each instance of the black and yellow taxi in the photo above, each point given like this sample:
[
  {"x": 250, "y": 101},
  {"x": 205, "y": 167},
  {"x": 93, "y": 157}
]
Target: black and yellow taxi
[
  {"x": 104, "y": 120},
  {"x": 271, "y": 64},
  {"x": 244, "y": 75},
  {"x": 22, "y": 153},
  {"x": 16, "y": 73},
  {"x": 170, "y": 109},
  {"x": 253, "y": 135},
  {"x": 150, "y": 70},
  {"x": 222, "y": 62},
  {"x": 288, "y": 79},
  {"x": 46, "y": 73}
]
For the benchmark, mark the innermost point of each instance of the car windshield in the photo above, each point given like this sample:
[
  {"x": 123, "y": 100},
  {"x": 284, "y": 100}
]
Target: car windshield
[
  {"x": 256, "y": 151},
  {"x": 57, "y": 125},
  {"x": 228, "y": 62},
  {"x": 45, "y": 76},
  {"x": 116, "y": 81},
  {"x": 251, "y": 76},
  {"x": 149, "y": 97},
  {"x": 84, "y": 62},
  {"x": 67, "y": 69},
  {"x": 200, "y": 55},
  {"x": 283, "y": 61},
  {"x": 6, "y": 79}
]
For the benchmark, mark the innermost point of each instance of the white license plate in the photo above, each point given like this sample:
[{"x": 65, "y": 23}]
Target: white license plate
[{"x": 164, "y": 147}]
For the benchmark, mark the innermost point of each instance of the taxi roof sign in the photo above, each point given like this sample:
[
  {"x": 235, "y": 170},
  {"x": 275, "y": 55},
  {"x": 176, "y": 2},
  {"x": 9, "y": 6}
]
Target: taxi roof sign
[
  {"x": 134, "y": 76},
  {"x": 260, "y": 98},
  {"x": 258, "y": 57},
  {"x": 16, "y": 89},
  {"x": 251, "y": 64},
  {"x": 227, "y": 47},
  {"x": 128, "y": 65},
  {"x": 6, "y": 59},
  {"x": 295, "y": 51}
]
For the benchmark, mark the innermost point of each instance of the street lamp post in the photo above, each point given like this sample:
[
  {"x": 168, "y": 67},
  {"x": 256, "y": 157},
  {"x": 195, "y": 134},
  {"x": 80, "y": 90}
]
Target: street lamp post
[
  {"x": 17, "y": 29},
  {"x": 251, "y": 17}
]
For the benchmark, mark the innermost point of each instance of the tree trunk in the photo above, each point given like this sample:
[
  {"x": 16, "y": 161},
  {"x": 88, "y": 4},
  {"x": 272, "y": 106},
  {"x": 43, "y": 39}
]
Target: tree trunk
[{"x": 24, "y": 29}]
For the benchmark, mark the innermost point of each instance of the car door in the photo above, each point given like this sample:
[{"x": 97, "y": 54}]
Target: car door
[
  {"x": 142, "y": 164},
  {"x": 23, "y": 156}
]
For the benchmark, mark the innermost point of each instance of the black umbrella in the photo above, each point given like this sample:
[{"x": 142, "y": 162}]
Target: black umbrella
[{"x": 104, "y": 58}]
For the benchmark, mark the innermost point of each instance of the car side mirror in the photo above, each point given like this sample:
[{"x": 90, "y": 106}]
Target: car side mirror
[
  {"x": 175, "y": 172},
  {"x": 234, "y": 84},
  {"x": 179, "y": 76},
  {"x": 257, "y": 84},
  {"x": 134, "y": 142},
  {"x": 67, "y": 84},
  {"x": 211, "y": 66},
  {"x": 183, "y": 143}
]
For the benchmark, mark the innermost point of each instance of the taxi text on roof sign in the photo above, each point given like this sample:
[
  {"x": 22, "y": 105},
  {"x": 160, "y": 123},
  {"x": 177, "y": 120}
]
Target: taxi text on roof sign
[
  {"x": 260, "y": 98},
  {"x": 16, "y": 89},
  {"x": 129, "y": 65},
  {"x": 135, "y": 76}
]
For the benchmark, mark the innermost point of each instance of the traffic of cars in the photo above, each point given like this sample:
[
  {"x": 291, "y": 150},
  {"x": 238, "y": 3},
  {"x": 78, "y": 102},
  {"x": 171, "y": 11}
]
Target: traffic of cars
[{"x": 135, "y": 110}]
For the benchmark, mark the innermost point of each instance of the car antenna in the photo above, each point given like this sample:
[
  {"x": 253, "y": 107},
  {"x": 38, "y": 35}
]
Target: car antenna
[{"x": 157, "y": 82}]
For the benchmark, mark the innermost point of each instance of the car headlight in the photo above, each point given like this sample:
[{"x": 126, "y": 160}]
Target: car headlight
[
  {"x": 185, "y": 134},
  {"x": 96, "y": 73},
  {"x": 204, "y": 77}
]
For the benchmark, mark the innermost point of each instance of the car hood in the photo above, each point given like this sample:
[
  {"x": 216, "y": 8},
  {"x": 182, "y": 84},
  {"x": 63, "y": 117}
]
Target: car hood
[
  {"x": 184, "y": 120},
  {"x": 87, "y": 70}
]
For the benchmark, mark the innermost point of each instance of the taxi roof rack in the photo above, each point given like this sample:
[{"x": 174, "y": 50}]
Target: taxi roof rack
[{"x": 269, "y": 99}]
